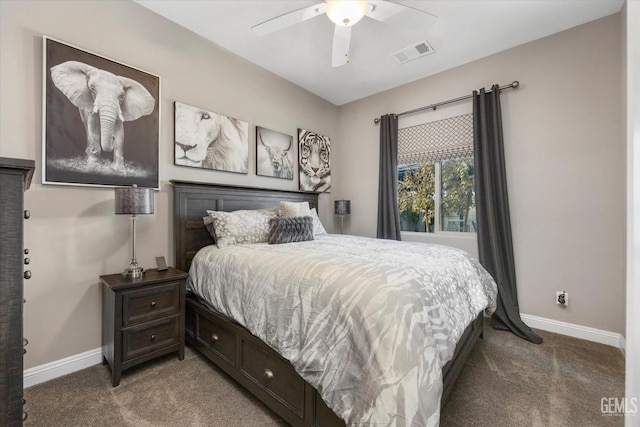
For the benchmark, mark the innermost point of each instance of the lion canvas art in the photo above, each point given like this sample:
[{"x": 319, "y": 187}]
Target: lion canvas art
[
  {"x": 208, "y": 140},
  {"x": 314, "y": 151}
]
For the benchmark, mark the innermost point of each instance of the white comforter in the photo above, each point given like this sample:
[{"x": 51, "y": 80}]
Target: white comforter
[{"x": 369, "y": 323}]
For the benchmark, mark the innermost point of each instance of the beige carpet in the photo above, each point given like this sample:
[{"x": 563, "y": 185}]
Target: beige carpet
[{"x": 506, "y": 382}]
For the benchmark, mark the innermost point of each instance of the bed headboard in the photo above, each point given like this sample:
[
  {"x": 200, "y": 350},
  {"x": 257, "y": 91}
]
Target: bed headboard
[{"x": 191, "y": 200}]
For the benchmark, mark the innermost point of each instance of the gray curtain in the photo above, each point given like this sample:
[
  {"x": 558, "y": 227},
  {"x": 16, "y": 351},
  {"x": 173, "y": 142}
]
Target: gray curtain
[
  {"x": 495, "y": 245},
  {"x": 388, "y": 215}
]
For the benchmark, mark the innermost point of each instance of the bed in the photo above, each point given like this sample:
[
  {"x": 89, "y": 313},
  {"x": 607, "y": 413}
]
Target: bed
[{"x": 241, "y": 354}]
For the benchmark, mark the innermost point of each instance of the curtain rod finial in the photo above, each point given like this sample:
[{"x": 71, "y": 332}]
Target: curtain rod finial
[
  {"x": 515, "y": 84},
  {"x": 376, "y": 120}
]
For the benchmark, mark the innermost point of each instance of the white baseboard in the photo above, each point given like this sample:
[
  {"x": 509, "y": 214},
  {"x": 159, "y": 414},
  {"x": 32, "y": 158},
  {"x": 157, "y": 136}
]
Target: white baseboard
[
  {"x": 577, "y": 331},
  {"x": 58, "y": 368}
]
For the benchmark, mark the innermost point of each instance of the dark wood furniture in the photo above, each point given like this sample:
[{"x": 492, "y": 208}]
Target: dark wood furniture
[
  {"x": 15, "y": 179},
  {"x": 247, "y": 359},
  {"x": 142, "y": 318}
]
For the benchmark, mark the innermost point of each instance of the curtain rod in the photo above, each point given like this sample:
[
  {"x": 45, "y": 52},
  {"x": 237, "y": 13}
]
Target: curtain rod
[{"x": 512, "y": 85}]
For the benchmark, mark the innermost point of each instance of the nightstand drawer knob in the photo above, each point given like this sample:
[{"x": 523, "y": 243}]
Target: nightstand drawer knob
[
  {"x": 268, "y": 374},
  {"x": 214, "y": 337},
  {"x": 27, "y": 260},
  {"x": 26, "y": 251},
  {"x": 27, "y": 274},
  {"x": 153, "y": 304},
  {"x": 153, "y": 337},
  {"x": 27, "y": 214}
]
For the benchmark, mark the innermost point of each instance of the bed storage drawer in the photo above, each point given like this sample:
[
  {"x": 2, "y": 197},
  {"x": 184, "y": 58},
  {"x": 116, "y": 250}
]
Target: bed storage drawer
[
  {"x": 148, "y": 337},
  {"x": 217, "y": 338},
  {"x": 275, "y": 375},
  {"x": 150, "y": 303},
  {"x": 247, "y": 359}
]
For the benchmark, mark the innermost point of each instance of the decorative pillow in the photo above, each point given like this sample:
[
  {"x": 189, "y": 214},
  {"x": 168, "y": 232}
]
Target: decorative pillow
[
  {"x": 289, "y": 230},
  {"x": 292, "y": 209},
  {"x": 240, "y": 227},
  {"x": 318, "y": 228}
]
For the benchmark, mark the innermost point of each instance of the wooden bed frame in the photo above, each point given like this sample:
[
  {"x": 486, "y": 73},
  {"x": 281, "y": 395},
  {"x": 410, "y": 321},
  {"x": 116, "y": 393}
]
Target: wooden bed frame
[{"x": 231, "y": 347}]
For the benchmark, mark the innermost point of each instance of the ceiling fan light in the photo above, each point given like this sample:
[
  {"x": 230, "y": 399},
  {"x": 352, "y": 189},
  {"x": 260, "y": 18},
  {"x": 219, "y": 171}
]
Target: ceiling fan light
[{"x": 346, "y": 12}]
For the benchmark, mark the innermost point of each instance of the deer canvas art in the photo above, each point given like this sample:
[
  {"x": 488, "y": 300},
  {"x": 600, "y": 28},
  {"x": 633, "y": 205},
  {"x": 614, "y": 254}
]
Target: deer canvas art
[{"x": 274, "y": 153}]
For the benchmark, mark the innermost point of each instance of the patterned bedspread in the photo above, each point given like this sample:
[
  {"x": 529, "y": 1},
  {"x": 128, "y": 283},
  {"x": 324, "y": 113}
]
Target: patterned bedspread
[{"x": 369, "y": 323}]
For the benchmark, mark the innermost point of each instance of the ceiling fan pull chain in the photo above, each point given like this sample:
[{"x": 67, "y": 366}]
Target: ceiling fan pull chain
[{"x": 346, "y": 51}]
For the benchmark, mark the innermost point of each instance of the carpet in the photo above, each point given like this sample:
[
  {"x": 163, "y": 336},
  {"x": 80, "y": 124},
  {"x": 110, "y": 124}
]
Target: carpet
[{"x": 506, "y": 382}]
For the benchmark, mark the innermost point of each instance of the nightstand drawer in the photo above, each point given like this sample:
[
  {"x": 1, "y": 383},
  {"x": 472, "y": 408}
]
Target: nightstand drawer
[
  {"x": 143, "y": 339},
  {"x": 149, "y": 303},
  {"x": 274, "y": 375}
]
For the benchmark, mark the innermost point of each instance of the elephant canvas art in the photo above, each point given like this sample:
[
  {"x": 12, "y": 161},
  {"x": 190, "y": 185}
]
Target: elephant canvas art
[{"x": 112, "y": 136}]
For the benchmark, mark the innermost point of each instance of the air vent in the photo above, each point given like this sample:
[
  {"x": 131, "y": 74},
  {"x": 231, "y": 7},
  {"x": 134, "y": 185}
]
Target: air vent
[{"x": 413, "y": 52}]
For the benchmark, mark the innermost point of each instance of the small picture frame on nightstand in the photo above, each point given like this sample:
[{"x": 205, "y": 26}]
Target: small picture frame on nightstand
[{"x": 161, "y": 263}]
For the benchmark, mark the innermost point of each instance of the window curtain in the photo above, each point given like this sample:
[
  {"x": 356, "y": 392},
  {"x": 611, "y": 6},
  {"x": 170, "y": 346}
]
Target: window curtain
[
  {"x": 495, "y": 245},
  {"x": 388, "y": 215}
]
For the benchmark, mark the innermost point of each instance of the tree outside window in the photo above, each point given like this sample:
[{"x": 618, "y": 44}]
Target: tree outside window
[{"x": 437, "y": 196}]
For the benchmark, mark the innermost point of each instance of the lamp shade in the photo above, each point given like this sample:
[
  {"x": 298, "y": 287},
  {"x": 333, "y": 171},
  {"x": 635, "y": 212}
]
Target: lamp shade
[
  {"x": 134, "y": 200},
  {"x": 342, "y": 207},
  {"x": 346, "y": 12}
]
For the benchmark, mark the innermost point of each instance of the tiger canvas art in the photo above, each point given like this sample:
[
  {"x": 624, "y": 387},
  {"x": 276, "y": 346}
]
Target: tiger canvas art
[{"x": 314, "y": 151}]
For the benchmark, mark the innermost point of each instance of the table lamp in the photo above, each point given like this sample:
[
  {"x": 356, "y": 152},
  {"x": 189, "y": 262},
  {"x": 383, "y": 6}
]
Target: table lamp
[
  {"x": 342, "y": 208},
  {"x": 134, "y": 201}
]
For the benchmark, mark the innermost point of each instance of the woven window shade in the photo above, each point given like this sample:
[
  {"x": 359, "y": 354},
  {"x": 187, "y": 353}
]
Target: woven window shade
[{"x": 445, "y": 139}]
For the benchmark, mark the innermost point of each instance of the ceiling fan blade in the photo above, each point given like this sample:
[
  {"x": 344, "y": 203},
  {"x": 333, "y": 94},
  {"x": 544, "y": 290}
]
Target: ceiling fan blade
[
  {"x": 341, "y": 41},
  {"x": 382, "y": 10},
  {"x": 289, "y": 19}
]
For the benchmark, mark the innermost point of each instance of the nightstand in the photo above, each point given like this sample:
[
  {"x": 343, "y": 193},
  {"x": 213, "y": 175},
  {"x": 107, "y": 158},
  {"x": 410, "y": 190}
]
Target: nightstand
[{"x": 142, "y": 318}]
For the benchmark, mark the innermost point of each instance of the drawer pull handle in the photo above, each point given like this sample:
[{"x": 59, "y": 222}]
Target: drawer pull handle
[
  {"x": 27, "y": 274},
  {"x": 26, "y": 251},
  {"x": 153, "y": 304},
  {"x": 268, "y": 374},
  {"x": 27, "y": 261},
  {"x": 153, "y": 337},
  {"x": 27, "y": 214},
  {"x": 214, "y": 337}
]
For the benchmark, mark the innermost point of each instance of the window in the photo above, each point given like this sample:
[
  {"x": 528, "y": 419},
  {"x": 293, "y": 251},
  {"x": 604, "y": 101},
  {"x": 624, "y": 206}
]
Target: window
[{"x": 435, "y": 176}]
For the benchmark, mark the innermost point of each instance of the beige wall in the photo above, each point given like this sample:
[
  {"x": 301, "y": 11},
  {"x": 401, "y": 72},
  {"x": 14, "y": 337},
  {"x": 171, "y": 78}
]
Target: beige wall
[
  {"x": 74, "y": 235},
  {"x": 565, "y": 155},
  {"x": 564, "y": 146}
]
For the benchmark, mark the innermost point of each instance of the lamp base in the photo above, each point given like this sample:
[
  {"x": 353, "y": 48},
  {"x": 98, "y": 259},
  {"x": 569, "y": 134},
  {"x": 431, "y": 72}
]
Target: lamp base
[{"x": 133, "y": 273}]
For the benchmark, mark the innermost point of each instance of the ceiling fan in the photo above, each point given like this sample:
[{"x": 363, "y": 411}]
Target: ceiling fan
[{"x": 344, "y": 13}]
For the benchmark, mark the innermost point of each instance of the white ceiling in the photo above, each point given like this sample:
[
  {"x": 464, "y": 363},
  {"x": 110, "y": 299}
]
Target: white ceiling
[{"x": 465, "y": 30}]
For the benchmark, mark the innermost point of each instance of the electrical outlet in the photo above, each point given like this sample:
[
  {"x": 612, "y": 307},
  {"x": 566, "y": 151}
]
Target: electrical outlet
[{"x": 562, "y": 298}]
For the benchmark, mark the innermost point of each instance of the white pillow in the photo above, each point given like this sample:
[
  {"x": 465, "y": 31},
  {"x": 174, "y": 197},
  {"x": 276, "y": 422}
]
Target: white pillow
[
  {"x": 292, "y": 209},
  {"x": 317, "y": 225},
  {"x": 239, "y": 227}
]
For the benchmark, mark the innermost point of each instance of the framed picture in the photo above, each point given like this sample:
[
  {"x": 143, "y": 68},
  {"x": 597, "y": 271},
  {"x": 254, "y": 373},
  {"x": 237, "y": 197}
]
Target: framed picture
[
  {"x": 273, "y": 153},
  {"x": 314, "y": 151},
  {"x": 208, "y": 140},
  {"x": 101, "y": 120}
]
